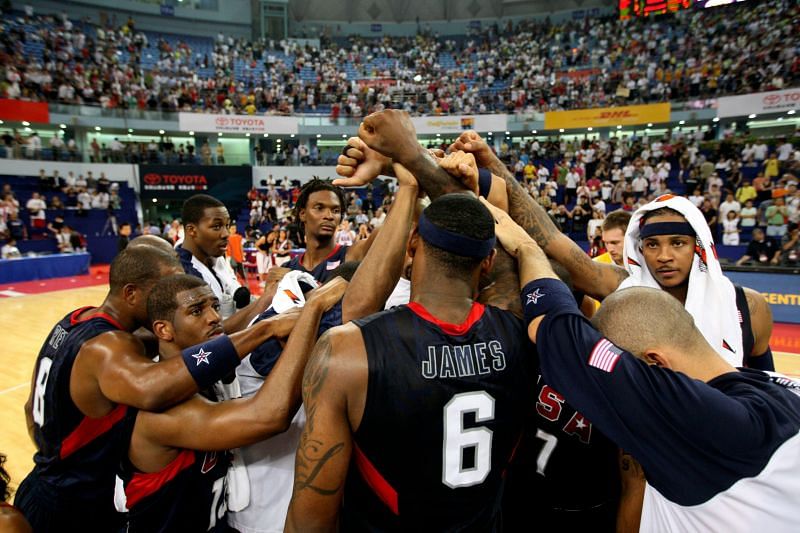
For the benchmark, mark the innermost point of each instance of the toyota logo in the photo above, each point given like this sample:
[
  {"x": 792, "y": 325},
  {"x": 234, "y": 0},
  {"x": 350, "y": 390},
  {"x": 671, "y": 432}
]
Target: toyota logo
[
  {"x": 772, "y": 99},
  {"x": 222, "y": 121},
  {"x": 152, "y": 179}
]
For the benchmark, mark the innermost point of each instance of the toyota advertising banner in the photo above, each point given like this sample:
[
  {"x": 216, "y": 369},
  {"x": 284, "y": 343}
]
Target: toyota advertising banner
[
  {"x": 759, "y": 103},
  {"x": 178, "y": 182},
  {"x": 204, "y": 123}
]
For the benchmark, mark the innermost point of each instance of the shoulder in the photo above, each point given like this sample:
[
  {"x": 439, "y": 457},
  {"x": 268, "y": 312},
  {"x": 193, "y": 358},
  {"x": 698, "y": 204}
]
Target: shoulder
[
  {"x": 760, "y": 318},
  {"x": 12, "y": 521},
  {"x": 112, "y": 343}
]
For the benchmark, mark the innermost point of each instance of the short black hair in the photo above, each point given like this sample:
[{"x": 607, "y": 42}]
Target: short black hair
[
  {"x": 195, "y": 206},
  {"x": 464, "y": 215},
  {"x": 316, "y": 185},
  {"x": 161, "y": 303},
  {"x": 139, "y": 265}
]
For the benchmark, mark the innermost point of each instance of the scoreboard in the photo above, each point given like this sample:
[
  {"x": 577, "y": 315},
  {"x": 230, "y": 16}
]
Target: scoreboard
[{"x": 643, "y": 8}]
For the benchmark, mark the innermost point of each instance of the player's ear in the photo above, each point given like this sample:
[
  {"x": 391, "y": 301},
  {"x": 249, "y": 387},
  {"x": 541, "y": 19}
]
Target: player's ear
[
  {"x": 130, "y": 293},
  {"x": 190, "y": 228},
  {"x": 164, "y": 330},
  {"x": 654, "y": 357},
  {"x": 488, "y": 263},
  {"x": 301, "y": 215},
  {"x": 413, "y": 243}
]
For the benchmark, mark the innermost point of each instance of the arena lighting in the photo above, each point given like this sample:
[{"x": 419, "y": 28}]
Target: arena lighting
[
  {"x": 533, "y": 131},
  {"x": 219, "y": 134},
  {"x": 619, "y": 126},
  {"x": 649, "y": 124},
  {"x": 161, "y": 132},
  {"x": 62, "y": 126},
  {"x": 508, "y": 133},
  {"x": 130, "y": 130},
  {"x": 98, "y": 128},
  {"x": 266, "y": 135},
  {"x": 489, "y": 134},
  {"x": 319, "y": 136},
  {"x": 26, "y": 123},
  {"x": 790, "y": 112},
  {"x": 438, "y": 134},
  {"x": 191, "y": 133},
  {"x": 1, "y": 122},
  {"x": 561, "y": 130},
  {"x": 589, "y": 128},
  {"x": 129, "y": 135},
  {"x": 780, "y": 119},
  {"x": 292, "y": 135},
  {"x": 681, "y": 122},
  {"x": 751, "y": 115},
  {"x": 27, "y": 128},
  {"x": 715, "y": 119},
  {"x": 247, "y": 135},
  {"x": 155, "y": 200},
  {"x": 344, "y": 135}
]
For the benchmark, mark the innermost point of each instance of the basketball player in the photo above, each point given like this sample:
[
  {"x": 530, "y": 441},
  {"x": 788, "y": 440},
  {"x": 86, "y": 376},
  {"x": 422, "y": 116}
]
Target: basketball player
[
  {"x": 168, "y": 484},
  {"x": 202, "y": 254},
  {"x": 319, "y": 209},
  {"x": 424, "y": 403},
  {"x": 87, "y": 373},
  {"x": 668, "y": 399},
  {"x": 598, "y": 280},
  {"x": 11, "y": 520}
]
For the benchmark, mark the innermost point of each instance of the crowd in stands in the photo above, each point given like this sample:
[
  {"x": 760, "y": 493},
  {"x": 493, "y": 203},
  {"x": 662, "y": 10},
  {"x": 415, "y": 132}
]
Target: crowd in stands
[
  {"x": 47, "y": 207},
  {"x": 532, "y": 65}
]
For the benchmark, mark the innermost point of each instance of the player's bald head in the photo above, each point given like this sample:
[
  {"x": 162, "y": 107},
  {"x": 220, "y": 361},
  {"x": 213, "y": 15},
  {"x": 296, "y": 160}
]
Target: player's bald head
[
  {"x": 154, "y": 241},
  {"x": 639, "y": 319}
]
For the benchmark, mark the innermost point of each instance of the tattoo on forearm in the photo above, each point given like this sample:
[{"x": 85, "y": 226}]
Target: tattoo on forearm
[
  {"x": 313, "y": 454},
  {"x": 526, "y": 212}
]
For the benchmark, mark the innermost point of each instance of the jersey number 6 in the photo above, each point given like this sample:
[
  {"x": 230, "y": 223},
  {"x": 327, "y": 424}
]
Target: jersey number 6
[{"x": 457, "y": 439}]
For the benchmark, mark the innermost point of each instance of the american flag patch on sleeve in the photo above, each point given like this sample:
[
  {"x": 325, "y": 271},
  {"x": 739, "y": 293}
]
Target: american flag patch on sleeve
[{"x": 605, "y": 355}]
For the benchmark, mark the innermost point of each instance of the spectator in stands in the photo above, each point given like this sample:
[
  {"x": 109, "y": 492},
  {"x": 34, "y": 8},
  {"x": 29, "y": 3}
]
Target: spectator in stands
[
  {"x": 124, "y": 236},
  {"x": 205, "y": 153},
  {"x": 56, "y": 146},
  {"x": 777, "y": 216},
  {"x": 37, "y": 213},
  {"x": 710, "y": 214},
  {"x": 64, "y": 240},
  {"x": 16, "y": 228},
  {"x": 761, "y": 249},
  {"x": 10, "y": 250},
  {"x": 789, "y": 252},
  {"x": 748, "y": 215},
  {"x": 746, "y": 192},
  {"x": 220, "y": 153},
  {"x": 730, "y": 229}
]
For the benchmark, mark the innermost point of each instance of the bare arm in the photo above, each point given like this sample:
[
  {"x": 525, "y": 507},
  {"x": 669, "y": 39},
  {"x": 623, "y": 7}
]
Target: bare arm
[
  {"x": 760, "y": 320},
  {"x": 199, "y": 424},
  {"x": 595, "y": 279},
  {"x": 378, "y": 273},
  {"x": 112, "y": 369},
  {"x": 629, "y": 513},
  {"x": 242, "y": 318}
]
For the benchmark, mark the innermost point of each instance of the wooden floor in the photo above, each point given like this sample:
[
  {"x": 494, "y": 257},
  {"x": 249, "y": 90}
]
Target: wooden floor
[{"x": 28, "y": 319}]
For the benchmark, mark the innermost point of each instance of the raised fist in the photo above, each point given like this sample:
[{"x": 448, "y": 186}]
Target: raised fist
[
  {"x": 359, "y": 164},
  {"x": 391, "y": 133}
]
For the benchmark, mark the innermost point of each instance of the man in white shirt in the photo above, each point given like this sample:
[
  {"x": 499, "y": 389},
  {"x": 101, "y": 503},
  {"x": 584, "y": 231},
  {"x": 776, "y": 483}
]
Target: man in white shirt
[
  {"x": 730, "y": 204},
  {"x": 36, "y": 211},
  {"x": 639, "y": 185},
  {"x": 785, "y": 150},
  {"x": 377, "y": 220},
  {"x": 9, "y": 250},
  {"x": 760, "y": 151}
]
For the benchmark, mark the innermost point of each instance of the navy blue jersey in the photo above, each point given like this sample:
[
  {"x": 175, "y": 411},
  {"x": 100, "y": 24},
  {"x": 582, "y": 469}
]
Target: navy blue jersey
[
  {"x": 334, "y": 259},
  {"x": 710, "y": 451},
  {"x": 77, "y": 455},
  {"x": 266, "y": 355},
  {"x": 186, "y": 495},
  {"x": 564, "y": 468},
  {"x": 444, "y": 410}
]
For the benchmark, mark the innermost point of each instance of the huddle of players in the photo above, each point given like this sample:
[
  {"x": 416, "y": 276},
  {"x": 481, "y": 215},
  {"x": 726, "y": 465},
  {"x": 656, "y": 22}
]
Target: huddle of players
[{"x": 417, "y": 417}]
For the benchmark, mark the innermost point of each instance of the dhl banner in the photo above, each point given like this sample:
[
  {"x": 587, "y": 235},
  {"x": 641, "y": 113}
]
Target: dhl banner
[{"x": 607, "y": 117}]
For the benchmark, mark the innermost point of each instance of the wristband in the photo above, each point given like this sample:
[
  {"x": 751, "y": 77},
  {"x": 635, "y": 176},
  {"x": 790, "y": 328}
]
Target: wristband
[
  {"x": 484, "y": 182},
  {"x": 211, "y": 361},
  {"x": 541, "y": 296},
  {"x": 762, "y": 362}
]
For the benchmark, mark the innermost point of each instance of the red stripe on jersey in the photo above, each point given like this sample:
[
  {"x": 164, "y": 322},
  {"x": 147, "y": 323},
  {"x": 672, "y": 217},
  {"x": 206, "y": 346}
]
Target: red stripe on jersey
[
  {"x": 89, "y": 429},
  {"x": 73, "y": 319},
  {"x": 376, "y": 481},
  {"x": 335, "y": 249},
  {"x": 143, "y": 484},
  {"x": 474, "y": 315}
]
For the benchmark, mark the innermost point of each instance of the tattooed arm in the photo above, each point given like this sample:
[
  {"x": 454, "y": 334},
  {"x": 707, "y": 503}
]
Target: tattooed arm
[
  {"x": 595, "y": 279},
  {"x": 334, "y": 391}
]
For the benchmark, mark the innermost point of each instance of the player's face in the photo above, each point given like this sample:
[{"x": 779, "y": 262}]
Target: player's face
[
  {"x": 197, "y": 317},
  {"x": 669, "y": 257},
  {"x": 615, "y": 241},
  {"x": 211, "y": 233},
  {"x": 322, "y": 214}
]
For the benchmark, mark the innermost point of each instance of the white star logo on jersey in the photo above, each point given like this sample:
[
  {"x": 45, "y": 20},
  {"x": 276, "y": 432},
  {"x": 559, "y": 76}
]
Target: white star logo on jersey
[
  {"x": 580, "y": 423},
  {"x": 533, "y": 298},
  {"x": 201, "y": 356}
]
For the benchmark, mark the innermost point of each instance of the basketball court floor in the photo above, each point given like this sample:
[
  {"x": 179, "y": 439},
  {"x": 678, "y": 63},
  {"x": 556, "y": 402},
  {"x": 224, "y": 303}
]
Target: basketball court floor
[{"x": 29, "y": 310}]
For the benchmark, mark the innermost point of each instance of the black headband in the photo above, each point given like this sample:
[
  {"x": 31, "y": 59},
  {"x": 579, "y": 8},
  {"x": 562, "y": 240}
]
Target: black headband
[
  {"x": 666, "y": 228},
  {"x": 453, "y": 242}
]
